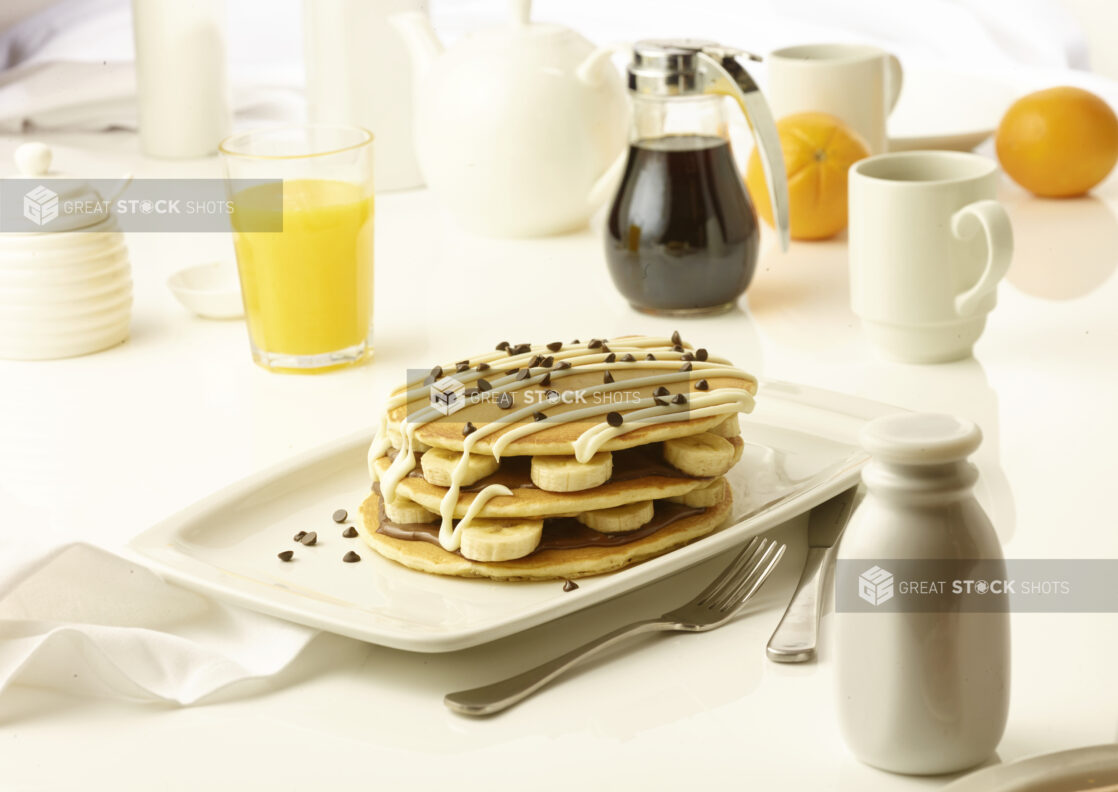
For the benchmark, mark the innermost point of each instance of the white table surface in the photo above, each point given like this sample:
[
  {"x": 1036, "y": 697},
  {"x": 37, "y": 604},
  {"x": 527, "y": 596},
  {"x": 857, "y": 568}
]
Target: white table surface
[{"x": 101, "y": 447}]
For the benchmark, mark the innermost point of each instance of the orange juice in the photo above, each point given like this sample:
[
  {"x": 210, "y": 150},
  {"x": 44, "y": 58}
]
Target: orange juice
[{"x": 308, "y": 290}]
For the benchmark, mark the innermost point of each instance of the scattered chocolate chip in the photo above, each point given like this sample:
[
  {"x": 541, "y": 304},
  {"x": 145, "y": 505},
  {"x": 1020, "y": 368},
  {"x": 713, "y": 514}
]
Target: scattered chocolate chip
[
  {"x": 676, "y": 339},
  {"x": 512, "y": 371},
  {"x": 537, "y": 360},
  {"x": 702, "y": 385},
  {"x": 504, "y": 401},
  {"x": 460, "y": 367},
  {"x": 610, "y": 358},
  {"x": 483, "y": 384},
  {"x": 605, "y": 348},
  {"x": 299, "y": 536},
  {"x": 340, "y": 516},
  {"x": 701, "y": 354},
  {"x": 285, "y": 555},
  {"x": 468, "y": 429},
  {"x": 563, "y": 364},
  {"x": 548, "y": 362},
  {"x": 538, "y": 416},
  {"x": 483, "y": 367},
  {"x": 686, "y": 356},
  {"x": 614, "y": 418},
  {"x": 555, "y": 346},
  {"x": 551, "y": 395},
  {"x": 608, "y": 378},
  {"x": 502, "y": 346},
  {"x": 472, "y": 392},
  {"x": 546, "y": 380},
  {"x": 661, "y": 391},
  {"x": 576, "y": 341},
  {"x": 686, "y": 366},
  {"x": 594, "y": 343},
  {"x": 523, "y": 374},
  {"x": 520, "y": 349},
  {"x": 659, "y": 401},
  {"x": 650, "y": 356},
  {"x": 309, "y": 539},
  {"x": 436, "y": 373},
  {"x": 679, "y": 398},
  {"x": 349, "y": 532},
  {"x": 677, "y": 348},
  {"x": 351, "y": 557},
  {"x": 569, "y": 585},
  {"x": 628, "y": 358}
]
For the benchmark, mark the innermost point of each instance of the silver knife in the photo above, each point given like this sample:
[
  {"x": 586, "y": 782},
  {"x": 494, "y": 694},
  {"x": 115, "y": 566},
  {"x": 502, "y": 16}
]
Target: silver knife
[{"x": 795, "y": 637}]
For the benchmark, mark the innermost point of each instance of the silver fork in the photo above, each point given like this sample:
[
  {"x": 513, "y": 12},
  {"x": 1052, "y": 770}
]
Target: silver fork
[{"x": 715, "y": 605}]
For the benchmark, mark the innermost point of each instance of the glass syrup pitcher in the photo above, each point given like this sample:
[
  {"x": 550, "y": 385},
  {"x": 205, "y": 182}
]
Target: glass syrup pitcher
[{"x": 682, "y": 235}]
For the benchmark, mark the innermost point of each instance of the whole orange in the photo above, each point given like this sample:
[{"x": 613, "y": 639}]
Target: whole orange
[
  {"x": 818, "y": 150},
  {"x": 1058, "y": 142}
]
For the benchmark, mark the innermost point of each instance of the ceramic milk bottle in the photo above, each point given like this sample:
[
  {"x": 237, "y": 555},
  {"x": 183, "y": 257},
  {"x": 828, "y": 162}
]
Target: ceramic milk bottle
[{"x": 919, "y": 692}]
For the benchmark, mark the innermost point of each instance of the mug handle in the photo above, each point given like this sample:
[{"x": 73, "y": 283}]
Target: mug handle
[
  {"x": 990, "y": 217},
  {"x": 896, "y": 79}
]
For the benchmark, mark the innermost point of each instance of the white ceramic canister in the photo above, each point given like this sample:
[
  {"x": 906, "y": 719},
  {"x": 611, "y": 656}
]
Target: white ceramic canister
[
  {"x": 63, "y": 292},
  {"x": 920, "y": 692}
]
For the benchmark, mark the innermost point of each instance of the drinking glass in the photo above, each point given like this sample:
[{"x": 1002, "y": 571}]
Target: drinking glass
[{"x": 303, "y": 234}]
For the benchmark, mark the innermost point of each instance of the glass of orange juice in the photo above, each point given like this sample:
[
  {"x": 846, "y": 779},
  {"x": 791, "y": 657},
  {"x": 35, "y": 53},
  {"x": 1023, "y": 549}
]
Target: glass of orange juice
[{"x": 308, "y": 288}]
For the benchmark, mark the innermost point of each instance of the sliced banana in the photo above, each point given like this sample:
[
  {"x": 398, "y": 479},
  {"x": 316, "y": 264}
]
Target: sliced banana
[
  {"x": 728, "y": 428},
  {"x": 403, "y": 511},
  {"x": 710, "y": 495},
  {"x": 438, "y": 466},
  {"x": 703, "y": 454},
  {"x": 619, "y": 519},
  {"x": 566, "y": 474},
  {"x": 500, "y": 540}
]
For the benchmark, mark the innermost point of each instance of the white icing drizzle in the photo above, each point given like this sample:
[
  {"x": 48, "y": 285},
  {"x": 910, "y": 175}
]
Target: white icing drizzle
[{"x": 717, "y": 401}]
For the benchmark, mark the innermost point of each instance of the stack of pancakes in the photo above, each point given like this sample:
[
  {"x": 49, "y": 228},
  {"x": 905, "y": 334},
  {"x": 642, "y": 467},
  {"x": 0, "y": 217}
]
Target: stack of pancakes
[{"x": 556, "y": 460}]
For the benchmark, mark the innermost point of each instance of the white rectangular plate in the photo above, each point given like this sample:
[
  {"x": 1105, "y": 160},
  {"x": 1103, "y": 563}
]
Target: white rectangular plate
[{"x": 800, "y": 450}]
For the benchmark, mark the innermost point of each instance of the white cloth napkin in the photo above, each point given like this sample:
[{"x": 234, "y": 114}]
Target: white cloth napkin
[{"x": 87, "y": 622}]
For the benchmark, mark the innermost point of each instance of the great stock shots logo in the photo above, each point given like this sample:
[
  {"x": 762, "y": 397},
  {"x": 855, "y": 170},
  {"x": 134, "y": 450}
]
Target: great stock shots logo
[
  {"x": 448, "y": 395},
  {"x": 875, "y": 585},
  {"x": 40, "y": 205}
]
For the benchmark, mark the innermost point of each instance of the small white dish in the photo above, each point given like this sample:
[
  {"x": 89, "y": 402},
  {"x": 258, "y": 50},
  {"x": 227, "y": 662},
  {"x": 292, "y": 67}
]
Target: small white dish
[
  {"x": 211, "y": 291},
  {"x": 1078, "y": 770},
  {"x": 800, "y": 450},
  {"x": 946, "y": 110}
]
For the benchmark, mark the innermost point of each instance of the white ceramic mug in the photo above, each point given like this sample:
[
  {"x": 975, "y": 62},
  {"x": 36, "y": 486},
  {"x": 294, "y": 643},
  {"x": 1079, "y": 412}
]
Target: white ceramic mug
[
  {"x": 856, "y": 83},
  {"x": 928, "y": 246}
]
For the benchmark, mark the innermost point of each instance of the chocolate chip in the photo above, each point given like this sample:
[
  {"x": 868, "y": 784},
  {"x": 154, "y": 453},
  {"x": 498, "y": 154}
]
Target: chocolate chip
[
  {"x": 512, "y": 371},
  {"x": 468, "y": 429},
  {"x": 436, "y": 373},
  {"x": 563, "y": 364},
  {"x": 676, "y": 339},
  {"x": 679, "y": 398},
  {"x": 483, "y": 367},
  {"x": 285, "y": 555},
  {"x": 614, "y": 418},
  {"x": 661, "y": 391},
  {"x": 340, "y": 516},
  {"x": 701, "y": 354},
  {"x": 702, "y": 385},
  {"x": 686, "y": 356},
  {"x": 309, "y": 539},
  {"x": 605, "y": 348},
  {"x": 594, "y": 343},
  {"x": 520, "y": 349},
  {"x": 349, "y": 532},
  {"x": 351, "y": 557},
  {"x": 523, "y": 374},
  {"x": 551, "y": 395},
  {"x": 650, "y": 356},
  {"x": 299, "y": 536},
  {"x": 610, "y": 358},
  {"x": 677, "y": 348},
  {"x": 555, "y": 346},
  {"x": 659, "y": 401},
  {"x": 546, "y": 379},
  {"x": 502, "y": 346},
  {"x": 576, "y": 341},
  {"x": 472, "y": 392},
  {"x": 608, "y": 378},
  {"x": 548, "y": 362},
  {"x": 569, "y": 585},
  {"x": 628, "y": 358},
  {"x": 504, "y": 401},
  {"x": 483, "y": 384},
  {"x": 538, "y": 416},
  {"x": 686, "y": 366},
  {"x": 535, "y": 361}
]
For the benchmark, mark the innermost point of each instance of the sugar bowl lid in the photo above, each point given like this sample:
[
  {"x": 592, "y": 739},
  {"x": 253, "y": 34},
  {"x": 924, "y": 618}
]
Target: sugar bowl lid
[
  {"x": 39, "y": 201},
  {"x": 910, "y": 438}
]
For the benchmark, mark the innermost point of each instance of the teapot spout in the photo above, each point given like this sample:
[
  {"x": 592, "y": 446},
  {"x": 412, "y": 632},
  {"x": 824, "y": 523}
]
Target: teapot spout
[{"x": 419, "y": 37}]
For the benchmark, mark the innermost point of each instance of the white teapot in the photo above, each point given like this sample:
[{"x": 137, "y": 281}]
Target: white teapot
[{"x": 520, "y": 129}]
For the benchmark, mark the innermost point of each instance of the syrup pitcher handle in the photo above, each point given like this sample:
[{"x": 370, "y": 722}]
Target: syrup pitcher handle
[{"x": 723, "y": 74}]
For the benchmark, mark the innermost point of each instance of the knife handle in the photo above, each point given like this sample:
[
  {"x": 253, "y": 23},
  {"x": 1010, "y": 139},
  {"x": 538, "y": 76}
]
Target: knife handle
[{"x": 795, "y": 637}]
